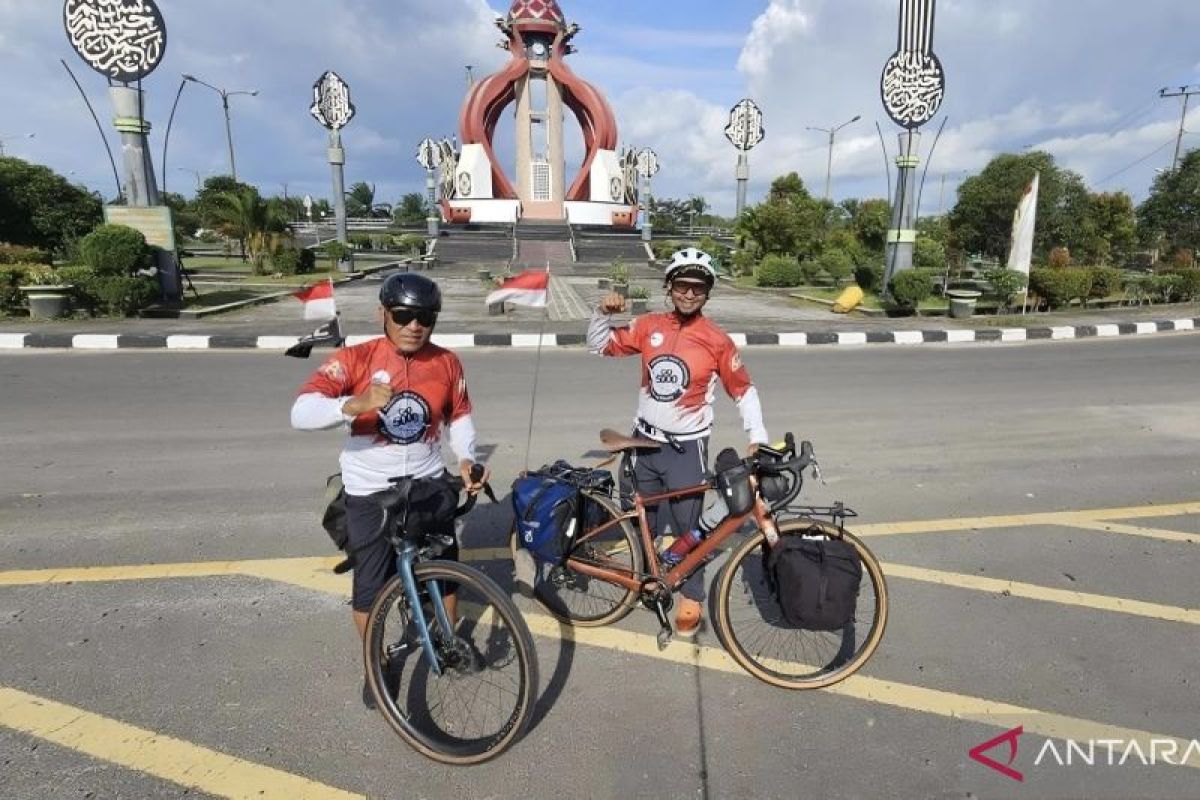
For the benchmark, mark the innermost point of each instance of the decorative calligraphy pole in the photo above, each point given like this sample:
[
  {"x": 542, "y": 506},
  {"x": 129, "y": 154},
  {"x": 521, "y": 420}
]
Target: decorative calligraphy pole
[
  {"x": 912, "y": 87},
  {"x": 647, "y": 168},
  {"x": 429, "y": 156},
  {"x": 332, "y": 108},
  {"x": 744, "y": 131},
  {"x": 125, "y": 43}
]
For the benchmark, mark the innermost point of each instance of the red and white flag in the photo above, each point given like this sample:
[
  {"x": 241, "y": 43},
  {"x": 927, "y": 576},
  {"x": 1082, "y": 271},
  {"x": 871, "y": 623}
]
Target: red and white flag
[
  {"x": 318, "y": 300},
  {"x": 527, "y": 289}
]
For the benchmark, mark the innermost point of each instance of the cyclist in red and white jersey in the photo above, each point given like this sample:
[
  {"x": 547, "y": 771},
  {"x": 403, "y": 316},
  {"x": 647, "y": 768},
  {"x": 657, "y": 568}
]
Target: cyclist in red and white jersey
[
  {"x": 395, "y": 395},
  {"x": 684, "y": 356}
]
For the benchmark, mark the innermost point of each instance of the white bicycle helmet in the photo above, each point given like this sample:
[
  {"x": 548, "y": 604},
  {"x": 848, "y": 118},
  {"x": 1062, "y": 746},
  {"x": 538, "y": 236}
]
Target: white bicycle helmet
[{"x": 691, "y": 262}]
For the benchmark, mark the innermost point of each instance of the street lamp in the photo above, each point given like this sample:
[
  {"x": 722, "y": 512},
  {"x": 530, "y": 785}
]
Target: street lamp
[
  {"x": 225, "y": 95},
  {"x": 14, "y": 136},
  {"x": 829, "y": 163},
  {"x": 199, "y": 182}
]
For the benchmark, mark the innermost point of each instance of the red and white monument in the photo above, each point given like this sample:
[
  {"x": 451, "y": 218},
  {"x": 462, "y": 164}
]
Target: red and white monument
[{"x": 602, "y": 192}]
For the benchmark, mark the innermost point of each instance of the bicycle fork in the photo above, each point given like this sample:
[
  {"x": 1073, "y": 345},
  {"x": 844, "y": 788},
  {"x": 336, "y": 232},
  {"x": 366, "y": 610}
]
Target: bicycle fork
[{"x": 404, "y": 565}]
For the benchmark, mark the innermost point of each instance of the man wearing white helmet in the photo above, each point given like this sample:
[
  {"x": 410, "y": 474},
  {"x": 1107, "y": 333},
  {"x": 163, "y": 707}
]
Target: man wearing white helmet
[{"x": 684, "y": 356}]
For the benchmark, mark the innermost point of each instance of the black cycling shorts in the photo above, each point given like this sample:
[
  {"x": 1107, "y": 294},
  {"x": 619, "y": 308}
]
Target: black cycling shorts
[{"x": 373, "y": 554}]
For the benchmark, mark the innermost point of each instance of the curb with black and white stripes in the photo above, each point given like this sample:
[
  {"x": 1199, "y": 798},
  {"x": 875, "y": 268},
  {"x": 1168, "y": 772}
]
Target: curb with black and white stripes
[{"x": 141, "y": 341}]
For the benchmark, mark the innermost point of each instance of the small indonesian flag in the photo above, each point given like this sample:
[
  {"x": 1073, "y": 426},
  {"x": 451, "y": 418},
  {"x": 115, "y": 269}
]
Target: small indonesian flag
[
  {"x": 527, "y": 289},
  {"x": 318, "y": 300}
]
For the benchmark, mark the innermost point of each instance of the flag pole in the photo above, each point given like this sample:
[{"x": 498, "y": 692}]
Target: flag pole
[{"x": 537, "y": 369}]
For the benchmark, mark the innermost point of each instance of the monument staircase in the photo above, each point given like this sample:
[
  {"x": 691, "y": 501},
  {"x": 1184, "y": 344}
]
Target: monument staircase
[
  {"x": 602, "y": 246},
  {"x": 482, "y": 245},
  {"x": 543, "y": 241}
]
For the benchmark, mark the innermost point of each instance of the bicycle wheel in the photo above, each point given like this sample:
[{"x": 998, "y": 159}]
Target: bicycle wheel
[
  {"x": 753, "y": 630},
  {"x": 481, "y": 702},
  {"x": 589, "y": 602}
]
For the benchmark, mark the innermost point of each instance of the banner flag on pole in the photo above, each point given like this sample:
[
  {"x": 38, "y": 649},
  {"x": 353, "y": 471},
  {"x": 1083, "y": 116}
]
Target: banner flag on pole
[
  {"x": 318, "y": 300},
  {"x": 530, "y": 288},
  {"x": 1021, "y": 254}
]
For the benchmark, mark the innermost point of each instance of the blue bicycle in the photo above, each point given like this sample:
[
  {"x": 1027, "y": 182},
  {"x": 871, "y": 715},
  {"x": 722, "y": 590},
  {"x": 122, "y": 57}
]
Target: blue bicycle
[{"x": 448, "y": 656}]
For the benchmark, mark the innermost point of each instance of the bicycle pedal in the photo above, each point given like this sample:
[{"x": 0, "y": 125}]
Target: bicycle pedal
[{"x": 664, "y": 638}]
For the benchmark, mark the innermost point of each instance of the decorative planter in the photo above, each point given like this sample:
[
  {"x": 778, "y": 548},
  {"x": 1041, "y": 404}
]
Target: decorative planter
[
  {"x": 47, "y": 302},
  {"x": 962, "y": 302},
  {"x": 621, "y": 289},
  {"x": 603, "y": 283},
  {"x": 345, "y": 265},
  {"x": 638, "y": 305},
  {"x": 485, "y": 275},
  {"x": 495, "y": 309}
]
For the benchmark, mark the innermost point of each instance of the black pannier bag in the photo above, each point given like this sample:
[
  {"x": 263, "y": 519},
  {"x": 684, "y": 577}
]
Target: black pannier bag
[{"x": 816, "y": 581}]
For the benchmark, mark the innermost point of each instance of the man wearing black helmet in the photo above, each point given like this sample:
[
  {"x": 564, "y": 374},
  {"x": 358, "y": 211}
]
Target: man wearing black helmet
[
  {"x": 684, "y": 356},
  {"x": 395, "y": 395}
]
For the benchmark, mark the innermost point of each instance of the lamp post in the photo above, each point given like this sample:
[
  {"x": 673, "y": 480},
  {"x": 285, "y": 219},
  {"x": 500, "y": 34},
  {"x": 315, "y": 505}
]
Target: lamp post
[
  {"x": 14, "y": 136},
  {"x": 199, "y": 182},
  {"x": 829, "y": 162},
  {"x": 225, "y": 95}
]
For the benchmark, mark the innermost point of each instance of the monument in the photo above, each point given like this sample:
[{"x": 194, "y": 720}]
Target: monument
[{"x": 538, "y": 79}]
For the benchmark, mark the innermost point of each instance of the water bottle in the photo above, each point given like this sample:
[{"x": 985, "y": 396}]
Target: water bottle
[{"x": 681, "y": 547}]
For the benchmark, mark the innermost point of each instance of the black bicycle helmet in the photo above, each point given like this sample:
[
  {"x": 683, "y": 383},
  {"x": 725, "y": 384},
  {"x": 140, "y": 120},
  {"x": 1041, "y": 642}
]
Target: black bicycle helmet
[{"x": 411, "y": 291}]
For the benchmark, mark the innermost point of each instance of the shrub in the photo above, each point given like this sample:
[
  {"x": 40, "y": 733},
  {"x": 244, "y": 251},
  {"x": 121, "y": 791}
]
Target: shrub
[
  {"x": 11, "y": 276},
  {"x": 409, "y": 242},
  {"x": 360, "y": 241},
  {"x": 1060, "y": 258},
  {"x": 869, "y": 277},
  {"x": 663, "y": 250},
  {"x": 1183, "y": 259},
  {"x": 19, "y": 255},
  {"x": 812, "y": 274},
  {"x": 294, "y": 261},
  {"x": 837, "y": 263},
  {"x": 41, "y": 275},
  {"x": 910, "y": 287},
  {"x": 1058, "y": 287},
  {"x": 1186, "y": 284},
  {"x": 741, "y": 263},
  {"x": 1105, "y": 281},
  {"x": 618, "y": 272},
  {"x": 929, "y": 254},
  {"x": 114, "y": 250},
  {"x": 778, "y": 271},
  {"x": 638, "y": 292},
  {"x": 121, "y": 295},
  {"x": 1005, "y": 282},
  {"x": 336, "y": 251}
]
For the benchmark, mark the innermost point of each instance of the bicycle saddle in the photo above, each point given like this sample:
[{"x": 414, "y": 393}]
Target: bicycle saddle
[{"x": 616, "y": 442}]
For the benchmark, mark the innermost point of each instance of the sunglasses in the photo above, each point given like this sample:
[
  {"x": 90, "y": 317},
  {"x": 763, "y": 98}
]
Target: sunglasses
[
  {"x": 403, "y": 316},
  {"x": 694, "y": 289}
]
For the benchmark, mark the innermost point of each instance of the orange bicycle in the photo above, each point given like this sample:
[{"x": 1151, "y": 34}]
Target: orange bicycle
[{"x": 611, "y": 566}]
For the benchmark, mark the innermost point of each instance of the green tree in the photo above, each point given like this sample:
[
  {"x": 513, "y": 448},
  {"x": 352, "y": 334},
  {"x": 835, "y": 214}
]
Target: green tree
[
  {"x": 41, "y": 208},
  {"x": 360, "y": 202},
  {"x": 981, "y": 221},
  {"x": 184, "y": 216},
  {"x": 245, "y": 216},
  {"x": 929, "y": 254},
  {"x": 209, "y": 205},
  {"x": 1170, "y": 215},
  {"x": 870, "y": 220},
  {"x": 410, "y": 210},
  {"x": 788, "y": 222}
]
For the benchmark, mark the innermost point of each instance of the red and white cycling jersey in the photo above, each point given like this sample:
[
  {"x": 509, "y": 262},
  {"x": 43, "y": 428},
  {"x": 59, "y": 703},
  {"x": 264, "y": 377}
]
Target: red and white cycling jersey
[
  {"x": 683, "y": 359},
  {"x": 403, "y": 438}
]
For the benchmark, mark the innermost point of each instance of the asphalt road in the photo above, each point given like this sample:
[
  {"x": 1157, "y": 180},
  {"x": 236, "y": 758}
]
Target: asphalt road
[{"x": 125, "y": 459}]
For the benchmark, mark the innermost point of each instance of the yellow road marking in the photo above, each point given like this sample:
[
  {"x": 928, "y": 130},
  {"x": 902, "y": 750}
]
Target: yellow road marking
[
  {"x": 1017, "y": 520},
  {"x": 1136, "y": 530},
  {"x": 156, "y": 754},
  {"x": 1031, "y": 591}
]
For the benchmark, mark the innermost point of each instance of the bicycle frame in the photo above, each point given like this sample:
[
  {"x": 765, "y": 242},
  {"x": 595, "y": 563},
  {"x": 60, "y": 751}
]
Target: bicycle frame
[
  {"x": 674, "y": 577},
  {"x": 405, "y": 556}
]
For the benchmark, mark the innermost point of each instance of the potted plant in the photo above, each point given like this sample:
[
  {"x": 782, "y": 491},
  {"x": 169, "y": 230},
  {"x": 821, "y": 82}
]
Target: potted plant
[
  {"x": 618, "y": 274},
  {"x": 496, "y": 309},
  {"x": 48, "y": 295},
  {"x": 640, "y": 296}
]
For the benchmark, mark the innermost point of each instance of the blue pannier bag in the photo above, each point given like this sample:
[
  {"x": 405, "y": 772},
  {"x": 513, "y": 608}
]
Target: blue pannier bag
[{"x": 550, "y": 508}]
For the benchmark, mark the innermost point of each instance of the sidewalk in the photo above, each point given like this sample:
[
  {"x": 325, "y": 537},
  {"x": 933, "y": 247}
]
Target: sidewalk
[{"x": 753, "y": 318}]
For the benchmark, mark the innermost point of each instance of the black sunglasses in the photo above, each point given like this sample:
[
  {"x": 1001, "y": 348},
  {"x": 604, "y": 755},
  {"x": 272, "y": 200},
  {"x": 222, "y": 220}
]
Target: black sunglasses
[
  {"x": 403, "y": 316},
  {"x": 694, "y": 289}
]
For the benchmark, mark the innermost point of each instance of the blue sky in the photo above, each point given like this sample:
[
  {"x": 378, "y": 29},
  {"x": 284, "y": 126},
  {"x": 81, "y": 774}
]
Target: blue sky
[{"x": 1079, "y": 78}]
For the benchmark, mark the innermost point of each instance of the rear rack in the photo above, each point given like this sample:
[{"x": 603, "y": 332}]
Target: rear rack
[{"x": 837, "y": 513}]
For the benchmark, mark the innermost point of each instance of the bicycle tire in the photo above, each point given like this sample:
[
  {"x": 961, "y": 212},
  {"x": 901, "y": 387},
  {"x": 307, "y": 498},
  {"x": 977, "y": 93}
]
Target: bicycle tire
[
  {"x": 419, "y": 726},
  {"x": 745, "y": 569},
  {"x": 615, "y": 602}
]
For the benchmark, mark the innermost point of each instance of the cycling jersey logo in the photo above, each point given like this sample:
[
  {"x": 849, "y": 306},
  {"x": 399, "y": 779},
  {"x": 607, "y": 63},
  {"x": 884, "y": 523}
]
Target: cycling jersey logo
[
  {"x": 669, "y": 378},
  {"x": 405, "y": 419}
]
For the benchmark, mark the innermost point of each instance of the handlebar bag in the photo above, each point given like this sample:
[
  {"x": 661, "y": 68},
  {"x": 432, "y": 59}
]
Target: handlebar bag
[
  {"x": 816, "y": 581},
  {"x": 734, "y": 487}
]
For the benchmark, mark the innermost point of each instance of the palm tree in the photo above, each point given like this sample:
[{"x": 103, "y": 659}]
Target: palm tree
[
  {"x": 360, "y": 202},
  {"x": 258, "y": 226}
]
